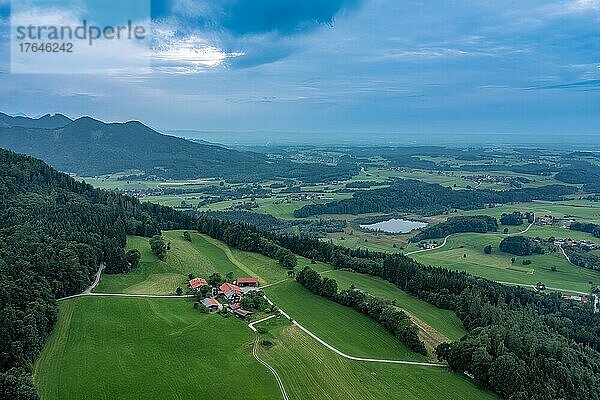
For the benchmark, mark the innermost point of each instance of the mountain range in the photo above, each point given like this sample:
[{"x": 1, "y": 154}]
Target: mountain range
[{"x": 89, "y": 147}]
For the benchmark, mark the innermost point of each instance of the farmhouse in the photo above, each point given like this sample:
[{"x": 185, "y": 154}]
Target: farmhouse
[
  {"x": 230, "y": 291},
  {"x": 196, "y": 283},
  {"x": 211, "y": 304}
]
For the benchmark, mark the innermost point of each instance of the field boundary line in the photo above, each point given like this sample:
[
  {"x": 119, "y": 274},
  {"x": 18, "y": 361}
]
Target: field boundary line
[{"x": 152, "y": 296}]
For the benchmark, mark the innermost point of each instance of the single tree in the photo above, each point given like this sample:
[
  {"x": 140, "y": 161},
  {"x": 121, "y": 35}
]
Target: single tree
[
  {"x": 133, "y": 257},
  {"x": 157, "y": 244},
  {"x": 179, "y": 291},
  {"x": 215, "y": 279}
]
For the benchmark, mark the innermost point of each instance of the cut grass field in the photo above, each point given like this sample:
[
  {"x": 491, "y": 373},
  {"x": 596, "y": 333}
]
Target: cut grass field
[
  {"x": 139, "y": 348},
  {"x": 342, "y": 327},
  {"x": 312, "y": 372},
  {"x": 443, "y": 321},
  {"x": 117, "y": 347},
  {"x": 201, "y": 257},
  {"x": 498, "y": 266}
]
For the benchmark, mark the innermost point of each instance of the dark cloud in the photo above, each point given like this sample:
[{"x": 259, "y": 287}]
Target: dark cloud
[
  {"x": 243, "y": 17},
  {"x": 251, "y": 17}
]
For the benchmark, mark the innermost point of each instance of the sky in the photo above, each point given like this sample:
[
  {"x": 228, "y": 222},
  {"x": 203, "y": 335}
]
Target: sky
[{"x": 336, "y": 66}]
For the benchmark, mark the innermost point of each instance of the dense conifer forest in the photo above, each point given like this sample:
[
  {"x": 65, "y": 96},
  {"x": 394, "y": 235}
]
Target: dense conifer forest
[
  {"x": 430, "y": 199},
  {"x": 54, "y": 233}
]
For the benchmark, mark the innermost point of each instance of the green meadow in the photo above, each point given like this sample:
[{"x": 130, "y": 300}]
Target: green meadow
[
  {"x": 140, "y": 348},
  {"x": 342, "y": 327},
  {"x": 312, "y": 372},
  {"x": 201, "y": 257},
  {"x": 119, "y": 347},
  {"x": 443, "y": 321},
  {"x": 464, "y": 252}
]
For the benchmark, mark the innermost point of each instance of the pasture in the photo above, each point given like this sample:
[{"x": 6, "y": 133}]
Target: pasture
[
  {"x": 140, "y": 348},
  {"x": 201, "y": 257},
  {"x": 499, "y": 267},
  {"x": 312, "y": 372}
]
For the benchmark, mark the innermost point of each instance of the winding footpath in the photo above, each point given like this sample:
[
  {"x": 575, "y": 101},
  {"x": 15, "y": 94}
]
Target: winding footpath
[{"x": 275, "y": 374}]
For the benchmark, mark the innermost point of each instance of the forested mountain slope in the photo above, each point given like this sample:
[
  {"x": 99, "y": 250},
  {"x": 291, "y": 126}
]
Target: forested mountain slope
[
  {"x": 54, "y": 232},
  {"x": 88, "y": 147}
]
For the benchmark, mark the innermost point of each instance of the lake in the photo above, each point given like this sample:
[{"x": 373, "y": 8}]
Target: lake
[{"x": 395, "y": 225}]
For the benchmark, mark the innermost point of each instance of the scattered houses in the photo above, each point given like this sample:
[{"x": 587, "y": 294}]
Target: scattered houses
[
  {"x": 428, "y": 245},
  {"x": 576, "y": 298},
  {"x": 582, "y": 244},
  {"x": 230, "y": 292}
]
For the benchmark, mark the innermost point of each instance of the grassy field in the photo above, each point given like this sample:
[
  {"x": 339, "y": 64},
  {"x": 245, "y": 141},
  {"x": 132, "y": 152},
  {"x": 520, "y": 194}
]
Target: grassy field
[
  {"x": 342, "y": 327},
  {"x": 109, "y": 347},
  {"x": 135, "y": 348},
  {"x": 498, "y": 266},
  {"x": 274, "y": 207},
  {"x": 201, "y": 257},
  {"x": 583, "y": 210},
  {"x": 444, "y": 321},
  {"x": 333, "y": 377}
]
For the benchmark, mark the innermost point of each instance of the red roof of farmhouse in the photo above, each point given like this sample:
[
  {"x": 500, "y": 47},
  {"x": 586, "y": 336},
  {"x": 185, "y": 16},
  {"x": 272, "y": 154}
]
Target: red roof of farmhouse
[
  {"x": 197, "y": 282},
  {"x": 226, "y": 287},
  {"x": 247, "y": 280}
]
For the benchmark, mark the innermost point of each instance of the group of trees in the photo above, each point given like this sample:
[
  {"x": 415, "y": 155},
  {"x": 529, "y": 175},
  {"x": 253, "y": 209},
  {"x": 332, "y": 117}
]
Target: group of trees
[
  {"x": 520, "y": 246},
  {"x": 54, "y": 232},
  {"x": 516, "y": 218},
  {"x": 594, "y": 229},
  {"x": 583, "y": 258},
  {"x": 267, "y": 222},
  {"x": 476, "y": 223},
  {"x": 394, "y": 320},
  {"x": 246, "y": 237},
  {"x": 429, "y": 199},
  {"x": 158, "y": 247}
]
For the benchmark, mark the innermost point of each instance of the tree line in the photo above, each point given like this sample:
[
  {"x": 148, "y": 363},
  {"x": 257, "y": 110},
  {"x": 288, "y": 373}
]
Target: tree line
[
  {"x": 394, "y": 320},
  {"x": 429, "y": 199},
  {"x": 475, "y": 223}
]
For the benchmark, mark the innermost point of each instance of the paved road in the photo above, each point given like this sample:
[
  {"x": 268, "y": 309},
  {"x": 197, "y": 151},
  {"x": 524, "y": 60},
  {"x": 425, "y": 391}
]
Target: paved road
[{"x": 96, "y": 279}]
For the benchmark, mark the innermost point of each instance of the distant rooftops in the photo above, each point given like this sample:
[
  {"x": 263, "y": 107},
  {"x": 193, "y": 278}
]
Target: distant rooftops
[{"x": 247, "y": 281}]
